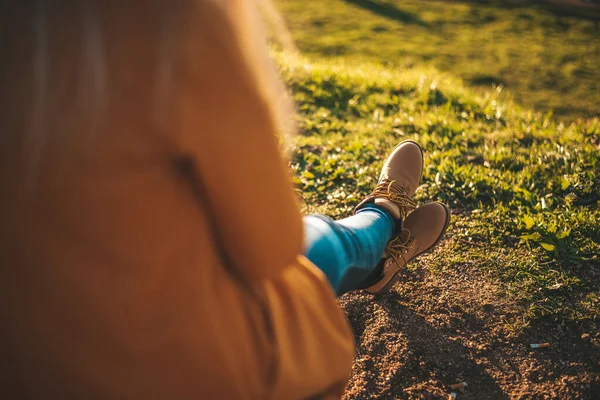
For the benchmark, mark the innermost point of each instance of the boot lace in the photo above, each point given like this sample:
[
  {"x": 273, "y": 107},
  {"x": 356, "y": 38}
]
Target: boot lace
[
  {"x": 395, "y": 193},
  {"x": 399, "y": 246}
]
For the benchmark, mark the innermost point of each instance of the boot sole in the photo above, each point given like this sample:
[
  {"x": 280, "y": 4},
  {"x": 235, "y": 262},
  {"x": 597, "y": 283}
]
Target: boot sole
[{"x": 396, "y": 276}]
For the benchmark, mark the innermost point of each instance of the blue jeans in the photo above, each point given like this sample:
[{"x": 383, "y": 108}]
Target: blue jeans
[{"x": 348, "y": 251}]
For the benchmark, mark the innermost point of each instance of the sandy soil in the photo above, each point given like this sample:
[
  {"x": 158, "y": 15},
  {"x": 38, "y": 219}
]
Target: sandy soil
[{"x": 434, "y": 330}]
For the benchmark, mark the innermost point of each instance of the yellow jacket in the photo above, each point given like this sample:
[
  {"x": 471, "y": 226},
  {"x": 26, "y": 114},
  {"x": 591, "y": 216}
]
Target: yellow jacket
[{"x": 159, "y": 262}]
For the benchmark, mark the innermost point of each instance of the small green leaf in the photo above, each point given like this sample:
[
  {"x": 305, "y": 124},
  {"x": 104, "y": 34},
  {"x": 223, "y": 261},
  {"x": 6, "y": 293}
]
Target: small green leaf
[
  {"x": 528, "y": 221},
  {"x": 531, "y": 236},
  {"x": 547, "y": 246},
  {"x": 564, "y": 183}
]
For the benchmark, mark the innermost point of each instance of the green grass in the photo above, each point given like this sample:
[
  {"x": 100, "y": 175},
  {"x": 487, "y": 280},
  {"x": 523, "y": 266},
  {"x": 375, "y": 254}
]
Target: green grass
[
  {"x": 546, "y": 54},
  {"x": 523, "y": 187}
]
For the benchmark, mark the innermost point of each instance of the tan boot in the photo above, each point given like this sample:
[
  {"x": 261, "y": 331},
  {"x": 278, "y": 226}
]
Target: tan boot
[
  {"x": 398, "y": 181},
  {"x": 422, "y": 230}
]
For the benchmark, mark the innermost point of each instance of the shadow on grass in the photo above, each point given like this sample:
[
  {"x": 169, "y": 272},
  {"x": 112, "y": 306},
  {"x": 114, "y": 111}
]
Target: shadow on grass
[
  {"x": 561, "y": 8},
  {"x": 486, "y": 80},
  {"x": 388, "y": 11}
]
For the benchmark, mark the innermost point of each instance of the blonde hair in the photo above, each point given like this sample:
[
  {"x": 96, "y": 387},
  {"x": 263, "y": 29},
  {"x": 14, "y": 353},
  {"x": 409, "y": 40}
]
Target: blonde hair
[{"x": 48, "y": 38}]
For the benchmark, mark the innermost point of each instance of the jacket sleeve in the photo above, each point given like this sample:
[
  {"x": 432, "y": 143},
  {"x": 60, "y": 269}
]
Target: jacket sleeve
[
  {"x": 226, "y": 128},
  {"x": 315, "y": 345}
]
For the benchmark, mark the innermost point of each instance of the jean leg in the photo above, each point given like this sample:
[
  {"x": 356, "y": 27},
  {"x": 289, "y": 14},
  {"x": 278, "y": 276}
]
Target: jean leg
[
  {"x": 369, "y": 229},
  {"x": 323, "y": 246},
  {"x": 347, "y": 251}
]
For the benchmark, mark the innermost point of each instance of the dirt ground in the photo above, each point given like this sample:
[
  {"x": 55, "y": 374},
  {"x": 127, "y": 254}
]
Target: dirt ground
[{"x": 434, "y": 330}]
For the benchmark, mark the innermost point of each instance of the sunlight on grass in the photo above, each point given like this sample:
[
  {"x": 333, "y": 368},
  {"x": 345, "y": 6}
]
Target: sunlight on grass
[
  {"x": 522, "y": 186},
  {"x": 545, "y": 53}
]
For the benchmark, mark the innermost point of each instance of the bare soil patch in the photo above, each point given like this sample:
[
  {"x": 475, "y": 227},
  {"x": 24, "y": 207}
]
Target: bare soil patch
[{"x": 437, "y": 329}]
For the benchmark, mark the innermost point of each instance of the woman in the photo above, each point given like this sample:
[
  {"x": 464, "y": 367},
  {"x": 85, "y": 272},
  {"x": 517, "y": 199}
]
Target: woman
[{"x": 151, "y": 241}]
